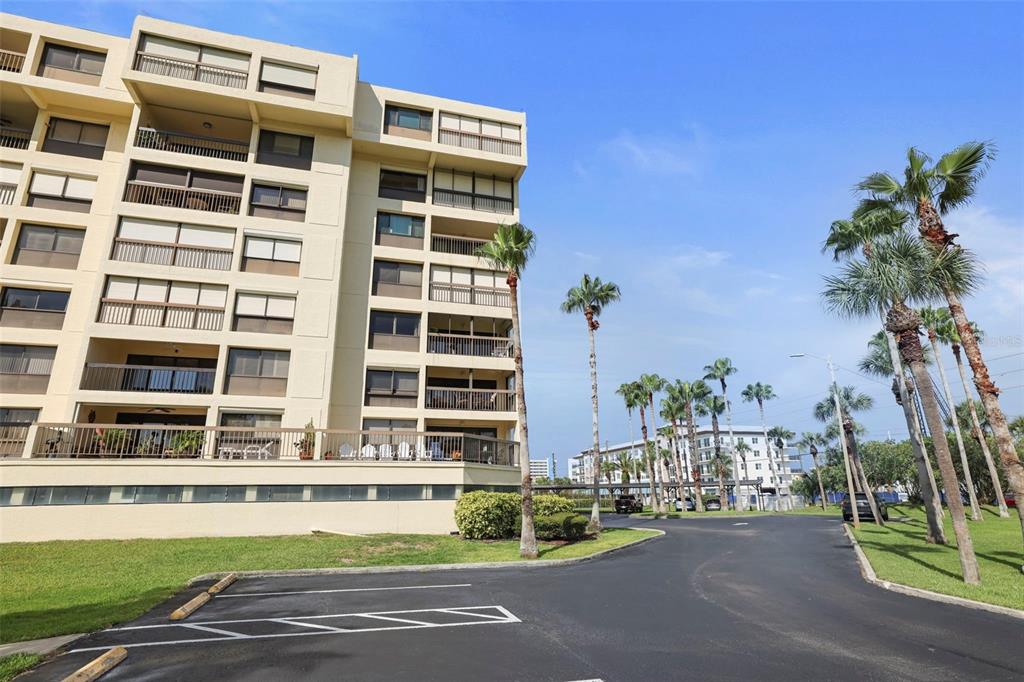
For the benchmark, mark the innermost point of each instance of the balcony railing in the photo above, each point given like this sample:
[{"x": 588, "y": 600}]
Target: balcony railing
[
  {"x": 147, "y": 378},
  {"x": 464, "y": 344},
  {"x": 464, "y": 293},
  {"x": 196, "y": 145},
  {"x": 12, "y": 438},
  {"x": 479, "y": 202},
  {"x": 11, "y": 61},
  {"x": 7, "y": 192},
  {"x": 182, "y": 197},
  {"x": 14, "y": 138},
  {"x": 476, "y": 399},
  {"x": 192, "y": 71},
  {"x": 484, "y": 143},
  {"x": 464, "y": 246},
  {"x": 163, "y": 253},
  {"x": 174, "y": 315},
  {"x": 225, "y": 443}
]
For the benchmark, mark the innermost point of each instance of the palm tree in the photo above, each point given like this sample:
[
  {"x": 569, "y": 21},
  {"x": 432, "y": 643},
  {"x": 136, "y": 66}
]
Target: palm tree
[
  {"x": 932, "y": 192},
  {"x": 652, "y": 385},
  {"x": 779, "y": 436},
  {"x": 510, "y": 250},
  {"x": 811, "y": 441},
  {"x": 933, "y": 319},
  {"x": 743, "y": 449},
  {"x": 712, "y": 406},
  {"x": 947, "y": 335},
  {"x": 905, "y": 270},
  {"x": 624, "y": 465},
  {"x": 721, "y": 463},
  {"x": 691, "y": 392},
  {"x": 673, "y": 410},
  {"x": 625, "y": 391},
  {"x": 719, "y": 370},
  {"x": 635, "y": 396},
  {"x": 761, "y": 393},
  {"x": 590, "y": 297}
]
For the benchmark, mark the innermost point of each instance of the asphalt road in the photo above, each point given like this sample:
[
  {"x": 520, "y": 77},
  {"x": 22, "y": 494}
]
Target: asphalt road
[{"x": 779, "y": 598}]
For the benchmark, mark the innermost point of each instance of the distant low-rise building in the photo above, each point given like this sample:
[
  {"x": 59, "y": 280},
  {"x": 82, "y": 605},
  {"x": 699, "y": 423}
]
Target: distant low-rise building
[{"x": 539, "y": 468}]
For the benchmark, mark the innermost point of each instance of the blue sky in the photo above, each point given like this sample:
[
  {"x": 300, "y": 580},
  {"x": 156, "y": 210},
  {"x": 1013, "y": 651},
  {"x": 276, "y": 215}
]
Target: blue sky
[{"x": 695, "y": 154}]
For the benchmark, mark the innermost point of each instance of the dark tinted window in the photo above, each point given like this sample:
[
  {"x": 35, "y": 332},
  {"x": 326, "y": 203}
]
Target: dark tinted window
[
  {"x": 35, "y": 299},
  {"x": 408, "y": 118},
  {"x": 398, "y": 185},
  {"x": 285, "y": 149}
]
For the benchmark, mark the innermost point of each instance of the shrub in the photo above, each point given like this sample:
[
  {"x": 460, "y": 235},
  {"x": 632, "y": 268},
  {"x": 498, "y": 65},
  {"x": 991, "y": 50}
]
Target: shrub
[
  {"x": 562, "y": 526},
  {"x": 549, "y": 505},
  {"x": 480, "y": 515}
]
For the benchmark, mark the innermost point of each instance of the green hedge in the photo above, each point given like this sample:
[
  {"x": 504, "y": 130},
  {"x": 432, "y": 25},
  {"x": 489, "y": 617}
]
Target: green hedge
[
  {"x": 562, "y": 526},
  {"x": 480, "y": 515},
  {"x": 548, "y": 505}
]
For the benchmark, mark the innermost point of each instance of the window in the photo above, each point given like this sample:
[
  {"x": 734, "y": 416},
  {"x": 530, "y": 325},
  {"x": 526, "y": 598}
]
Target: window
[
  {"x": 53, "y": 190},
  {"x": 391, "y": 387},
  {"x": 286, "y": 79},
  {"x": 285, "y": 149},
  {"x": 279, "y": 493},
  {"x": 16, "y": 415},
  {"x": 473, "y": 190},
  {"x": 74, "y": 494},
  {"x": 404, "y": 117},
  {"x": 442, "y": 492},
  {"x": 389, "y": 425},
  {"x": 196, "y": 246},
  {"x": 270, "y": 201},
  {"x": 35, "y": 299},
  {"x": 46, "y": 246},
  {"x": 271, "y": 255},
  {"x": 264, "y": 313},
  {"x": 757, "y": 466},
  {"x": 256, "y": 420},
  {"x": 178, "y": 59},
  {"x": 398, "y": 324},
  {"x": 249, "y": 362},
  {"x": 399, "y": 225},
  {"x": 75, "y": 138},
  {"x": 339, "y": 493},
  {"x": 185, "y": 177},
  {"x": 67, "y": 58},
  {"x": 157, "y": 494},
  {"x": 398, "y": 493},
  {"x": 26, "y": 360},
  {"x": 399, "y": 185},
  {"x": 164, "y": 291},
  {"x": 476, "y": 126},
  {"x": 401, "y": 280},
  {"x": 754, "y": 441},
  {"x": 218, "y": 493}
]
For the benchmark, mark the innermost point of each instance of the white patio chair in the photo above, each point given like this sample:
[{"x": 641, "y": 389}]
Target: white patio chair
[
  {"x": 386, "y": 451},
  {"x": 345, "y": 451},
  {"x": 256, "y": 451},
  {"x": 405, "y": 450},
  {"x": 368, "y": 452}
]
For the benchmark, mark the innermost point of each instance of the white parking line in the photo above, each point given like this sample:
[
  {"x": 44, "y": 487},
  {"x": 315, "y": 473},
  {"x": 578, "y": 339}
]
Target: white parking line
[{"x": 348, "y": 589}]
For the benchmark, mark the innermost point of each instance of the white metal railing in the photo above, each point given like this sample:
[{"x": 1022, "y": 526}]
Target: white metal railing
[
  {"x": 7, "y": 192},
  {"x": 174, "y": 315},
  {"x": 475, "y": 399},
  {"x": 163, "y": 253},
  {"x": 479, "y": 202},
  {"x": 182, "y": 197},
  {"x": 485, "y": 143},
  {"x": 14, "y": 138},
  {"x": 147, "y": 378},
  {"x": 188, "y": 70},
  {"x": 446, "y": 243},
  {"x": 465, "y": 344},
  {"x": 11, "y": 61},
  {"x": 196, "y": 145},
  {"x": 13, "y": 436},
  {"x": 464, "y": 293},
  {"x": 225, "y": 443}
]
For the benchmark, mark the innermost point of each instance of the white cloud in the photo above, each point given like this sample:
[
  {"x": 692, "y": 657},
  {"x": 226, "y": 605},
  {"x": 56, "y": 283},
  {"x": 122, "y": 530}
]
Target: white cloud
[
  {"x": 660, "y": 152},
  {"x": 999, "y": 245}
]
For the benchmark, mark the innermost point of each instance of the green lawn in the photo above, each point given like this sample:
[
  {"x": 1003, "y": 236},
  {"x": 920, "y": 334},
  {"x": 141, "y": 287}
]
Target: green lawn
[
  {"x": 11, "y": 665},
  {"x": 55, "y": 588},
  {"x": 898, "y": 553}
]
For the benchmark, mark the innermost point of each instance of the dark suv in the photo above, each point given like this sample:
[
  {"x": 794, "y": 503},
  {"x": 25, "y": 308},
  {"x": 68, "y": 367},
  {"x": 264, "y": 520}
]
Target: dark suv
[
  {"x": 863, "y": 508},
  {"x": 628, "y": 504}
]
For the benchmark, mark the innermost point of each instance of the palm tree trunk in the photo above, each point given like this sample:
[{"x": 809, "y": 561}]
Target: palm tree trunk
[
  {"x": 925, "y": 478},
  {"x": 771, "y": 459},
  {"x": 655, "y": 501},
  {"x": 527, "y": 536},
  {"x": 737, "y": 504},
  {"x": 657, "y": 457},
  {"x": 817, "y": 473},
  {"x": 691, "y": 430},
  {"x": 595, "y": 513},
  {"x": 972, "y": 496},
  {"x": 677, "y": 454},
  {"x": 723, "y": 496},
  {"x": 904, "y": 322},
  {"x": 865, "y": 485},
  {"x": 979, "y": 435}
]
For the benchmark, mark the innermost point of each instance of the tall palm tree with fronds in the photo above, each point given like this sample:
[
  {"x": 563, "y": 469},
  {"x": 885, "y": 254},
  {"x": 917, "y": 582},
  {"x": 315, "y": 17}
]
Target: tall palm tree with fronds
[
  {"x": 762, "y": 393},
  {"x": 635, "y": 396},
  {"x": 933, "y": 319},
  {"x": 948, "y": 335},
  {"x": 720, "y": 464},
  {"x": 932, "y": 191},
  {"x": 673, "y": 410},
  {"x": 654, "y": 384},
  {"x": 904, "y": 270},
  {"x": 779, "y": 436},
  {"x": 624, "y": 465},
  {"x": 719, "y": 370},
  {"x": 626, "y": 392},
  {"x": 509, "y": 251},
  {"x": 713, "y": 406},
  {"x": 590, "y": 297},
  {"x": 811, "y": 440},
  {"x": 743, "y": 449},
  {"x": 691, "y": 393}
]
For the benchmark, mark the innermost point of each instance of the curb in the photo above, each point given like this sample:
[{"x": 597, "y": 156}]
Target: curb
[
  {"x": 428, "y": 568},
  {"x": 870, "y": 576}
]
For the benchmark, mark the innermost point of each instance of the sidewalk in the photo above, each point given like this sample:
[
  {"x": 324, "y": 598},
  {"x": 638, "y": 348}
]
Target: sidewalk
[{"x": 37, "y": 646}]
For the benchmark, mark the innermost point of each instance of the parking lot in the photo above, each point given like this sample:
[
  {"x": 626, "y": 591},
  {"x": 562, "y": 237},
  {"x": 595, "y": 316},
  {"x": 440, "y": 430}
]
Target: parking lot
[{"x": 766, "y": 598}]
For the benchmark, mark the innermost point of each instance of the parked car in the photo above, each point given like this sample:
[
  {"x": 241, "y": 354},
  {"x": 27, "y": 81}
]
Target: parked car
[
  {"x": 864, "y": 508},
  {"x": 713, "y": 504},
  {"x": 1011, "y": 498},
  {"x": 628, "y": 504},
  {"x": 688, "y": 505}
]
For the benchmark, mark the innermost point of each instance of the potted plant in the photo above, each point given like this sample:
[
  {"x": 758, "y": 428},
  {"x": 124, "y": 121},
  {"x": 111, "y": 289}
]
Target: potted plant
[
  {"x": 306, "y": 444},
  {"x": 187, "y": 443}
]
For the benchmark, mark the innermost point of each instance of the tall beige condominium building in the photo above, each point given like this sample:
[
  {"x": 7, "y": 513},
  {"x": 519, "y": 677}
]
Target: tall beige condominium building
[{"x": 234, "y": 273}]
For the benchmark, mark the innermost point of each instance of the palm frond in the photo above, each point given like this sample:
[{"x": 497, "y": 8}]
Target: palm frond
[{"x": 959, "y": 172}]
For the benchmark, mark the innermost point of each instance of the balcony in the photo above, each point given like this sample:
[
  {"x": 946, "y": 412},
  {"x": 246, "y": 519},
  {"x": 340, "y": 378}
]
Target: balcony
[
  {"x": 463, "y": 246},
  {"x": 211, "y": 201},
  {"x": 184, "y": 69},
  {"x": 196, "y": 145},
  {"x": 464, "y": 293},
  {"x": 227, "y": 443},
  {"x": 147, "y": 378},
  {"x": 158, "y": 314},
  {"x": 473, "y": 399},
  {"x": 469, "y": 345},
  {"x": 7, "y": 192},
  {"x": 484, "y": 143},
  {"x": 164, "y": 253},
  {"x": 11, "y": 61},
  {"x": 477, "y": 202},
  {"x": 14, "y": 138},
  {"x": 13, "y": 436}
]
